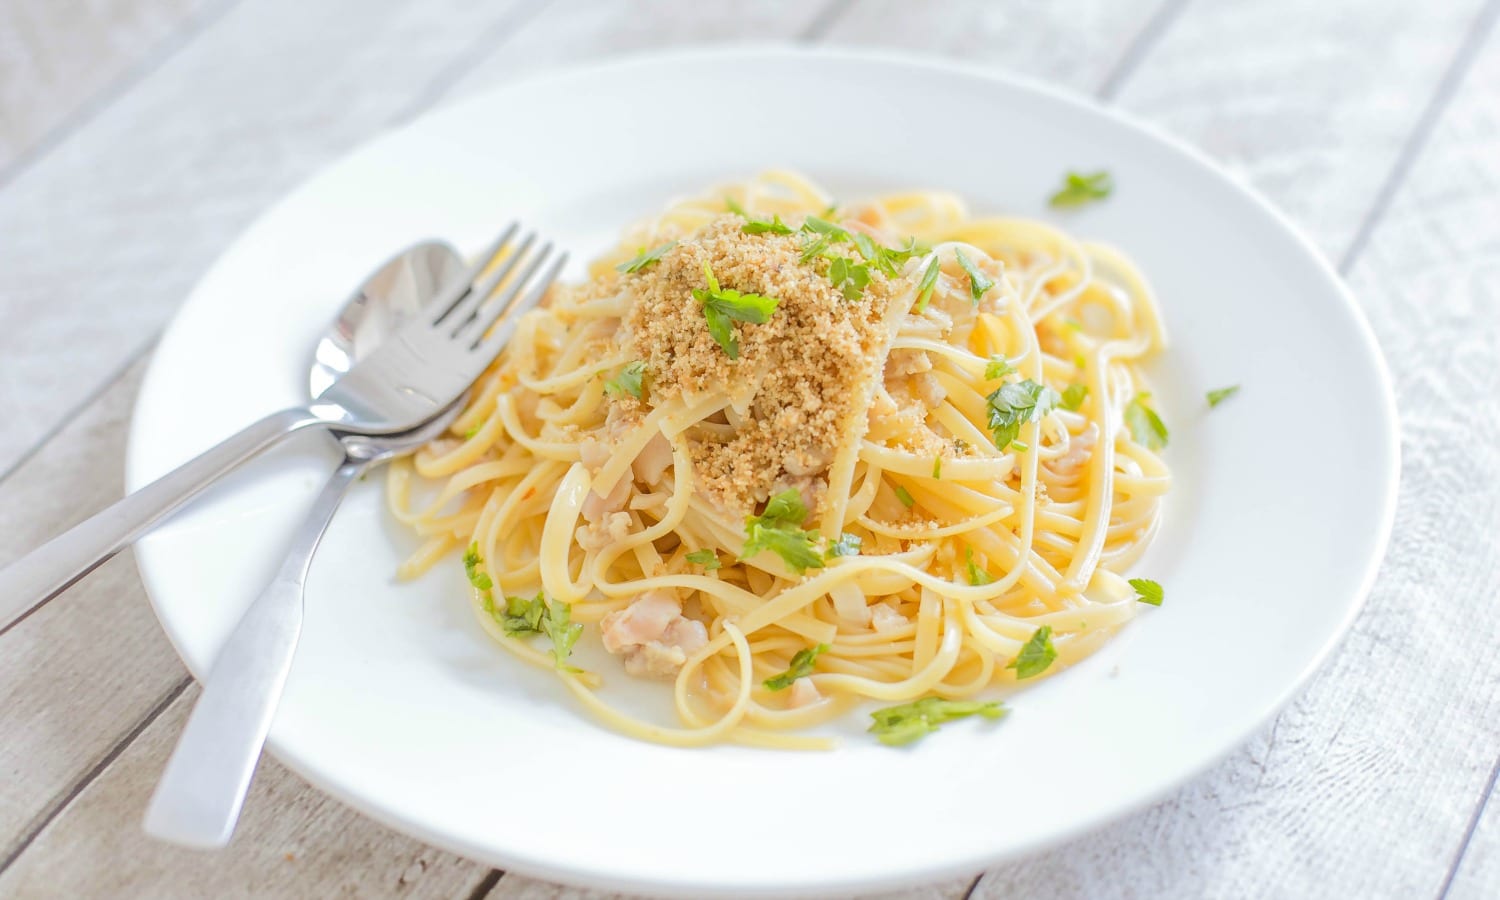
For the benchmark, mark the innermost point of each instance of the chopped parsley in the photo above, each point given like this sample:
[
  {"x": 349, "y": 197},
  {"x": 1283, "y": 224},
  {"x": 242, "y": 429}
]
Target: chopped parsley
[
  {"x": 1073, "y": 396},
  {"x": 706, "y": 558},
  {"x": 779, "y": 529},
  {"x": 1219, "y": 395},
  {"x": 897, "y": 726},
  {"x": 564, "y": 634},
  {"x": 472, "y": 561},
  {"x": 977, "y": 576},
  {"x": 1010, "y": 405},
  {"x": 762, "y": 226},
  {"x": 926, "y": 285},
  {"x": 1145, "y": 425},
  {"x": 802, "y": 664},
  {"x": 997, "y": 367},
  {"x": 978, "y": 281},
  {"x": 523, "y": 616},
  {"x": 724, "y": 306},
  {"x": 1147, "y": 591},
  {"x": 907, "y": 500},
  {"x": 1036, "y": 655},
  {"x": 469, "y": 435},
  {"x": 847, "y": 545},
  {"x": 937, "y": 468},
  {"x": 628, "y": 381},
  {"x": 645, "y": 259},
  {"x": 849, "y": 277},
  {"x": 1080, "y": 188}
]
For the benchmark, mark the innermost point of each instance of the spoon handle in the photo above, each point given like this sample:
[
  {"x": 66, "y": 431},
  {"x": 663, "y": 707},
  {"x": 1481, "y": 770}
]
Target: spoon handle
[
  {"x": 198, "y": 799},
  {"x": 51, "y": 568}
]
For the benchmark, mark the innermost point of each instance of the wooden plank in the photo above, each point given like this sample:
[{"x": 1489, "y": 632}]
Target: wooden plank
[
  {"x": 106, "y": 234},
  {"x": 573, "y": 32},
  {"x": 1364, "y": 785},
  {"x": 1476, "y": 873},
  {"x": 1075, "y": 44},
  {"x": 57, "y": 59},
  {"x": 295, "y": 842}
]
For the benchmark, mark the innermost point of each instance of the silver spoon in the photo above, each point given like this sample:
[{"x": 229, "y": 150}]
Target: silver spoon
[{"x": 198, "y": 799}]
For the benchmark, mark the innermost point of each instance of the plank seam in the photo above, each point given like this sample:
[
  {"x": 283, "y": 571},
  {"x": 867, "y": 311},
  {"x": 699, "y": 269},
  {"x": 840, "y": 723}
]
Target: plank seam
[
  {"x": 1416, "y": 142},
  {"x": 819, "y": 27},
  {"x": 486, "y": 885},
  {"x": 1463, "y": 845},
  {"x": 121, "y": 85},
  {"x": 47, "y": 815},
  {"x": 1140, "y": 47}
]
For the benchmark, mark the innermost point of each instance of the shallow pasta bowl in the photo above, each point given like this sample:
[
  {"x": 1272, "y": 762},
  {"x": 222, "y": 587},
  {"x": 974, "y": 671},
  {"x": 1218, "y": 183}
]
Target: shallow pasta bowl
[{"x": 400, "y": 706}]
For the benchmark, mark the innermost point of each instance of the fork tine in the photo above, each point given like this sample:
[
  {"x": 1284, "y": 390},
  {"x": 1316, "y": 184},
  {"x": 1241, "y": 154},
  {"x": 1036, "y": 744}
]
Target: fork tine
[
  {"x": 466, "y": 311},
  {"x": 502, "y": 303},
  {"x": 446, "y": 302},
  {"x": 489, "y": 345}
]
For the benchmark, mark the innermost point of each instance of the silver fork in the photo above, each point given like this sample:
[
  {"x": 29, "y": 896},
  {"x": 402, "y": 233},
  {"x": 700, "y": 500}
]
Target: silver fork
[{"x": 411, "y": 378}]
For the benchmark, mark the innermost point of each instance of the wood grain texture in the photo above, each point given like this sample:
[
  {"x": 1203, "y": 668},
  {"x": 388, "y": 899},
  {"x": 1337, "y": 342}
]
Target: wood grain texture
[
  {"x": 304, "y": 844},
  {"x": 57, "y": 57}
]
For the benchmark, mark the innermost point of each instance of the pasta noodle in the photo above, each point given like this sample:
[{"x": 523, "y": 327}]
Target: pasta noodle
[{"x": 981, "y": 444}]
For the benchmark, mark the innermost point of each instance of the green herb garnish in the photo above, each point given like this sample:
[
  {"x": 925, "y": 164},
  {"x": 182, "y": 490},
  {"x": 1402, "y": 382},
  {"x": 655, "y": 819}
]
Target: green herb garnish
[
  {"x": 706, "y": 558},
  {"x": 847, "y": 545},
  {"x": 564, "y": 634},
  {"x": 849, "y": 277},
  {"x": 523, "y": 616},
  {"x": 937, "y": 468},
  {"x": 646, "y": 258},
  {"x": 472, "y": 561},
  {"x": 997, "y": 367},
  {"x": 1036, "y": 655},
  {"x": 628, "y": 381},
  {"x": 1219, "y": 395},
  {"x": 978, "y": 281},
  {"x": 926, "y": 285},
  {"x": 802, "y": 664},
  {"x": 1145, "y": 425},
  {"x": 779, "y": 529},
  {"x": 724, "y": 306},
  {"x": 977, "y": 576},
  {"x": 1010, "y": 405},
  {"x": 1147, "y": 591},
  {"x": 905, "y": 497},
  {"x": 1080, "y": 188},
  {"x": 897, "y": 726},
  {"x": 1073, "y": 396}
]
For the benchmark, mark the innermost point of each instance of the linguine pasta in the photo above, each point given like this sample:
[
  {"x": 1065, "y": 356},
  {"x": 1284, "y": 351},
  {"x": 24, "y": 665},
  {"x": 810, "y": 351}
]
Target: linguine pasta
[{"x": 790, "y": 457}]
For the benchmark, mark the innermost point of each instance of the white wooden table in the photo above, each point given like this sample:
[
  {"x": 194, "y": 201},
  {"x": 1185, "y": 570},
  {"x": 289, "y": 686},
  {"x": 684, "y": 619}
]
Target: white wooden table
[{"x": 138, "y": 137}]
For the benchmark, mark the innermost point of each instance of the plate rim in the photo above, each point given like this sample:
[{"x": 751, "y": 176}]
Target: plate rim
[{"x": 582, "y": 875}]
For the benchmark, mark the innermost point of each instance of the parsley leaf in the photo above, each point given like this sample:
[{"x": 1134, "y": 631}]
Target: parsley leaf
[
  {"x": 978, "y": 281},
  {"x": 997, "y": 367},
  {"x": 977, "y": 576},
  {"x": 802, "y": 664},
  {"x": 1074, "y": 395},
  {"x": 563, "y": 632},
  {"x": 472, "y": 562},
  {"x": 1012, "y": 404},
  {"x": 1219, "y": 395},
  {"x": 734, "y": 207},
  {"x": 779, "y": 529},
  {"x": 897, "y": 726},
  {"x": 850, "y": 277},
  {"x": 628, "y": 381},
  {"x": 847, "y": 545},
  {"x": 706, "y": 558},
  {"x": 523, "y": 616},
  {"x": 1147, "y": 591},
  {"x": 1145, "y": 425},
  {"x": 1080, "y": 188},
  {"x": 926, "y": 285},
  {"x": 762, "y": 226},
  {"x": 723, "y": 306},
  {"x": 646, "y": 258},
  {"x": 1036, "y": 655},
  {"x": 905, "y": 497},
  {"x": 937, "y": 468}
]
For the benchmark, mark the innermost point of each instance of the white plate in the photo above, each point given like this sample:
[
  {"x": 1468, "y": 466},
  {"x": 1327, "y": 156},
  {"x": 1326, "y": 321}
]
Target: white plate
[{"x": 398, "y": 704}]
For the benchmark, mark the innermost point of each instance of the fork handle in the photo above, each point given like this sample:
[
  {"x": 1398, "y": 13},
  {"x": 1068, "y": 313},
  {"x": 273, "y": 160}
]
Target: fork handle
[
  {"x": 198, "y": 799},
  {"x": 53, "y": 567}
]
